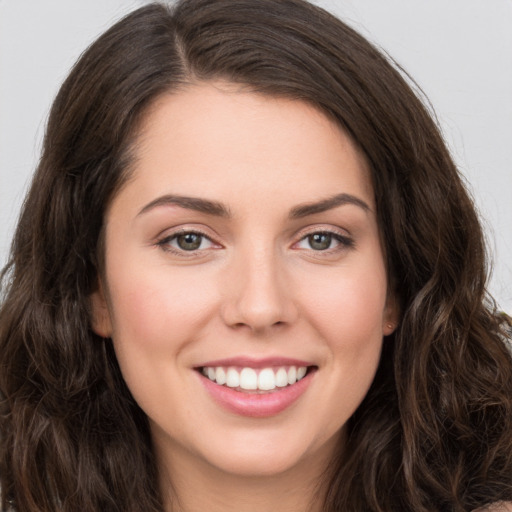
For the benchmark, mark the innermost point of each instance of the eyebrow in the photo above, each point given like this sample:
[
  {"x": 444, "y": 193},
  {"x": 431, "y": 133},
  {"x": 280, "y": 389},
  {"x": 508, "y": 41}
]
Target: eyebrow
[
  {"x": 189, "y": 203},
  {"x": 218, "y": 209},
  {"x": 305, "y": 210}
]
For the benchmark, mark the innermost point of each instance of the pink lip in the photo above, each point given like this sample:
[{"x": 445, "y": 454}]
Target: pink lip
[
  {"x": 255, "y": 363},
  {"x": 252, "y": 404}
]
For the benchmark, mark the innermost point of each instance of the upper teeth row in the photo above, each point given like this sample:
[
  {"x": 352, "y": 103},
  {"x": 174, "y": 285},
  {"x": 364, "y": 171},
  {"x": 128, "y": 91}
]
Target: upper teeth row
[{"x": 248, "y": 378}]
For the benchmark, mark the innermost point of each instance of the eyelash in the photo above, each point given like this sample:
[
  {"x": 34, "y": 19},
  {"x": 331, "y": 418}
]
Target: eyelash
[
  {"x": 165, "y": 242},
  {"x": 344, "y": 242}
]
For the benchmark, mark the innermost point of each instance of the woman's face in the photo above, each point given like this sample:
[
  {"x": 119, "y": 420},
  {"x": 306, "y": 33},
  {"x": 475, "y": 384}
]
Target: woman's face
[{"x": 244, "y": 247}]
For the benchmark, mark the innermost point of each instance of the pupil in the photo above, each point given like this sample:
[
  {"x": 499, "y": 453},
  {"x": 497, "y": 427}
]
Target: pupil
[
  {"x": 189, "y": 241},
  {"x": 320, "y": 241}
]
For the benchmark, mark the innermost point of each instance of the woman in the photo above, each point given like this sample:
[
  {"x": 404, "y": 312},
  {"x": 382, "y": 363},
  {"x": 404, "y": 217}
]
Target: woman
[{"x": 247, "y": 276}]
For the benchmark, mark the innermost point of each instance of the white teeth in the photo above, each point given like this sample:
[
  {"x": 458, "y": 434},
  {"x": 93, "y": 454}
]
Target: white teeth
[
  {"x": 232, "y": 378},
  {"x": 250, "y": 379},
  {"x": 220, "y": 376},
  {"x": 292, "y": 375},
  {"x": 281, "y": 378},
  {"x": 266, "y": 379}
]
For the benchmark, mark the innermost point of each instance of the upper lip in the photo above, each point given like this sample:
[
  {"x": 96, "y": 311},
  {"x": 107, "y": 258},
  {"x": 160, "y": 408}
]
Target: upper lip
[{"x": 251, "y": 362}]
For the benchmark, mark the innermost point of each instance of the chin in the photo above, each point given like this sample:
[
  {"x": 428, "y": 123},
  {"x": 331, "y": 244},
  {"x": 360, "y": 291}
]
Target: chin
[
  {"x": 256, "y": 456},
  {"x": 253, "y": 464}
]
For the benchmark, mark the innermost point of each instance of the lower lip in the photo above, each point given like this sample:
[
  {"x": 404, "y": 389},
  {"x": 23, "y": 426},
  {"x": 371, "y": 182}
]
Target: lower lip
[{"x": 256, "y": 405}]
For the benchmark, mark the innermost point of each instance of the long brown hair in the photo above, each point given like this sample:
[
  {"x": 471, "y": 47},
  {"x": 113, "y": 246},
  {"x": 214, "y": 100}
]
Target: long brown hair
[{"x": 434, "y": 432}]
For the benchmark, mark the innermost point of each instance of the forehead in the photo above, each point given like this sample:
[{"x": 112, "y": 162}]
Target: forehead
[{"x": 233, "y": 142}]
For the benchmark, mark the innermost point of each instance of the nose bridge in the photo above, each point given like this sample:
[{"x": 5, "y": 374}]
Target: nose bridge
[{"x": 259, "y": 298}]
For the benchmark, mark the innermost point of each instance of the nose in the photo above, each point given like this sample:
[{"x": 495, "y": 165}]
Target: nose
[{"x": 259, "y": 295}]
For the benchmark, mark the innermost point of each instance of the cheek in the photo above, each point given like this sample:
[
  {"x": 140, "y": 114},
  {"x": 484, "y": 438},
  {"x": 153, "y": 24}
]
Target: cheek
[
  {"x": 346, "y": 310},
  {"x": 349, "y": 308},
  {"x": 157, "y": 312},
  {"x": 156, "y": 305}
]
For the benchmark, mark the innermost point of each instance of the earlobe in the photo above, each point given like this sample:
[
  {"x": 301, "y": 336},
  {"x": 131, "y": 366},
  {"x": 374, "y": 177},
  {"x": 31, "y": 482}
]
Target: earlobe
[
  {"x": 389, "y": 328},
  {"x": 391, "y": 317},
  {"x": 100, "y": 315}
]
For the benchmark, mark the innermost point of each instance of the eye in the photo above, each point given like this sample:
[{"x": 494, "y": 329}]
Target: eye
[
  {"x": 324, "y": 241},
  {"x": 187, "y": 241}
]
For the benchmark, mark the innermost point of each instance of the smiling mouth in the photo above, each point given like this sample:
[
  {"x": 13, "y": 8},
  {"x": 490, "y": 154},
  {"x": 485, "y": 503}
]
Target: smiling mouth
[{"x": 256, "y": 380}]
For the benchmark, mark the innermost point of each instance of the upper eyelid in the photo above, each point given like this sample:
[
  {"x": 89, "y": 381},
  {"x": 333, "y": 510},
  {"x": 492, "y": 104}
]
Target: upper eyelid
[
  {"x": 309, "y": 230},
  {"x": 337, "y": 236},
  {"x": 165, "y": 238},
  {"x": 176, "y": 234},
  {"x": 170, "y": 233}
]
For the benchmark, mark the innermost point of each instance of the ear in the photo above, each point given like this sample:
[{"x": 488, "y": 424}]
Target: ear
[
  {"x": 101, "y": 322},
  {"x": 391, "y": 316}
]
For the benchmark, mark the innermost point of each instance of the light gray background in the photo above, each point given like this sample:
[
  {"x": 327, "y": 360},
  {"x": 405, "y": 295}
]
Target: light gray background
[{"x": 458, "y": 51}]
